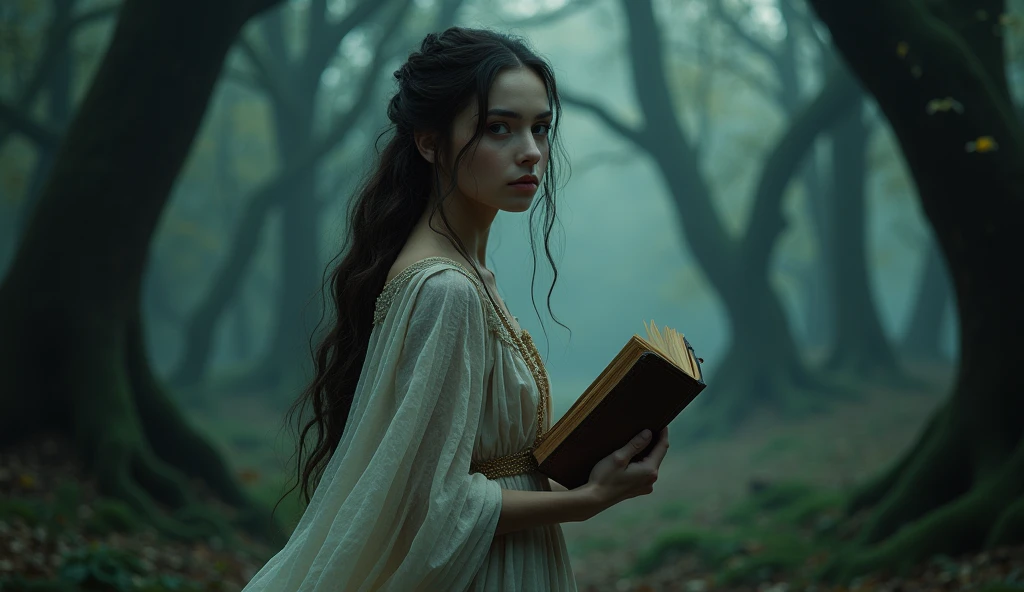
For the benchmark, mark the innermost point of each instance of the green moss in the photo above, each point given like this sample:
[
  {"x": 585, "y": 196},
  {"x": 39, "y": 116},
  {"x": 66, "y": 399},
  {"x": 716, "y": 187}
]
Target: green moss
[
  {"x": 166, "y": 583},
  {"x": 789, "y": 505},
  {"x": 777, "y": 446},
  {"x": 109, "y": 515},
  {"x": 23, "y": 584},
  {"x": 266, "y": 493},
  {"x": 712, "y": 548},
  {"x": 820, "y": 510},
  {"x": 673, "y": 511},
  {"x": 1002, "y": 587},
  {"x": 774, "y": 497},
  {"x": 777, "y": 556},
  {"x": 101, "y": 567},
  {"x": 25, "y": 510}
]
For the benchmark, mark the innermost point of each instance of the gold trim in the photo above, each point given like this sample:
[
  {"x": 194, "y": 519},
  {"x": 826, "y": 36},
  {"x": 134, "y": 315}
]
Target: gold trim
[{"x": 510, "y": 464}]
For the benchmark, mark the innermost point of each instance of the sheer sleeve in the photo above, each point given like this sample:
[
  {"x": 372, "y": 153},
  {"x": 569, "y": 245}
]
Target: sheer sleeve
[{"x": 397, "y": 508}]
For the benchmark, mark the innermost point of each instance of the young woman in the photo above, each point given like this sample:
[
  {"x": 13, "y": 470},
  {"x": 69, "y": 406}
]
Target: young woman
[{"x": 428, "y": 396}]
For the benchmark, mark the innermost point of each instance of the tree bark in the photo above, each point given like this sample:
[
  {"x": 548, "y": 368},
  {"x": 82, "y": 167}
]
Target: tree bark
[
  {"x": 923, "y": 337},
  {"x": 294, "y": 128},
  {"x": 959, "y": 486},
  {"x": 58, "y": 105},
  {"x": 818, "y": 291},
  {"x": 71, "y": 356},
  {"x": 861, "y": 349}
]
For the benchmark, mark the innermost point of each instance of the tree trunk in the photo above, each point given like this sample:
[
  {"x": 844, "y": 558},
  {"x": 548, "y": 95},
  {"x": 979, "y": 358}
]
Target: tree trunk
[
  {"x": 817, "y": 285},
  {"x": 861, "y": 350},
  {"x": 58, "y": 106},
  {"x": 71, "y": 356},
  {"x": 299, "y": 159},
  {"x": 923, "y": 338},
  {"x": 959, "y": 487},
  {"x": 818, "y": 305},
  {"x": 761, "y": 368},
  {"x": 300, "y": 234}
]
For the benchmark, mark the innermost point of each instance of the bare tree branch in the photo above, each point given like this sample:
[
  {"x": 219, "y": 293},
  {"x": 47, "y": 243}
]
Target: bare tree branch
[
  {"x": 749, "y": 40},
  {"x": 244, "y": 79},
  {"x": 620, "y": 127},
  {"x": 570, "y": 8},
  {"x": 262, "y": 199},
  {"x": 320, "y": 53},
  {"x": 446, "y": 16},
  {"x": 268, "y": 78},
  {"x": 705, "y": 83},
  {"x": 840, "y": 93},
  {"x": 807, "y": 20},
  {"x": 19, "y": 121},
  {"x": 603, "y": 159},
  {"x": 89, "y": 16},
  {"x": 733, "y": 66},
  {"x": 56, "y": 40}
]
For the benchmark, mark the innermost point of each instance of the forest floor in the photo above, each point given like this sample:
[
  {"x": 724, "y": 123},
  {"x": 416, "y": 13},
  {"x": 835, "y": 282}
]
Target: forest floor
[{"x": 709, "y": 525}]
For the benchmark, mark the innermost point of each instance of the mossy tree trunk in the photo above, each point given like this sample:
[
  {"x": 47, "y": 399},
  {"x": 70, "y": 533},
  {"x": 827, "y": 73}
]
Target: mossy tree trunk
[
  {"x": 71, "y": 347},
  {"x": 960, "y": 486}
]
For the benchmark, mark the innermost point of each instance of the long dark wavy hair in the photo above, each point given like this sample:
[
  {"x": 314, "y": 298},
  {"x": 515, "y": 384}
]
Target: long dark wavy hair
[{"x": 437, "y": 82}]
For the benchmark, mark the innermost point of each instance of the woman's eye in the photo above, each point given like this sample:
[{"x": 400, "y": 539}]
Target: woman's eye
[
  {"x": 542, "y": 128},
  {"x": 498, "y": 128}
]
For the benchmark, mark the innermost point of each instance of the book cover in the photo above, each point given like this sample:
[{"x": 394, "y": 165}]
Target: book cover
[{"x": 651, "y": 392}]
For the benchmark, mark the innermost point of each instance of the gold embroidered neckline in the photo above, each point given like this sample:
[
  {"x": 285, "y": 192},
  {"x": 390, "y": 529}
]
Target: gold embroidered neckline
[
  {"x": 522, "y": 461},
  {"x": 495, "y": 316}
]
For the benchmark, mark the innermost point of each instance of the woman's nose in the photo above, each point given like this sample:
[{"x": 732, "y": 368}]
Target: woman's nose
[{"x": 531, "y": 151}]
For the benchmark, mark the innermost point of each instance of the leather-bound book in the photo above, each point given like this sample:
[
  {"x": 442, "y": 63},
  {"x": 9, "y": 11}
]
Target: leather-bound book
[{"x": 645, "y": 386}]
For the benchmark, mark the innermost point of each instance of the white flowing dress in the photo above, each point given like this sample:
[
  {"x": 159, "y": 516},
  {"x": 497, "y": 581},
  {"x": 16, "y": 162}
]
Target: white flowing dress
[{"x": 397, "y": 509}]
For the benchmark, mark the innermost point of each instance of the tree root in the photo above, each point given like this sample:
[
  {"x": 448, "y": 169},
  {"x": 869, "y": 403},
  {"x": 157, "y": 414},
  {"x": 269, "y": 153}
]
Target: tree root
[
  {"x": 931, "y": 507},
  {"x": 874, "y": 490},
  {"x": 989, "y": 515},
  {"x": 177, "y": 444},
  {"x": 937, "y": 474},
  {"x": 115, "y": 478},
  {"x": 1009, "y": 527}
]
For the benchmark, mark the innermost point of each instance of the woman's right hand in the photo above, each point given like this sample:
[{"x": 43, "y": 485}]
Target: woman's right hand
[{"x": 614, "y": 478}]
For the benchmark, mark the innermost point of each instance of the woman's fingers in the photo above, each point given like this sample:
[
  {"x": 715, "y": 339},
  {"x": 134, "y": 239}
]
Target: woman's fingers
[
  {"x": 635, "y": 446},
  {"x": 659, "y": 451}
]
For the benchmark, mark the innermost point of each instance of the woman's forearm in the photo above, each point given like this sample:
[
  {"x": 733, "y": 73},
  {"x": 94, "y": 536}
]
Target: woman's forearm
[
  {"x": 521, "y": 510},
  {"x": 555, "y": 486}
]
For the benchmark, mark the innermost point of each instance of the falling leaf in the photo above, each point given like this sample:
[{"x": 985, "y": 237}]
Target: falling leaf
[
  {"x": 27, "y": 481},
  {"x": 982, "y": 144},
  {"x": 902, "y": 49},
  {"x": 249, "y": 475},
  {"x": 947, "y": 104}
]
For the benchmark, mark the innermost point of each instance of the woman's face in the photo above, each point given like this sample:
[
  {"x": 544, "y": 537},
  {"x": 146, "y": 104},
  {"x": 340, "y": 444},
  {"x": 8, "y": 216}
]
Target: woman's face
[{"x": 514, "y": 143}]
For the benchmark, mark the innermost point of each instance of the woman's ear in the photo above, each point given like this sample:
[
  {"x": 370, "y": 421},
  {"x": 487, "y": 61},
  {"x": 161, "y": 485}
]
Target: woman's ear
[{"x": 426, "y": 143}]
